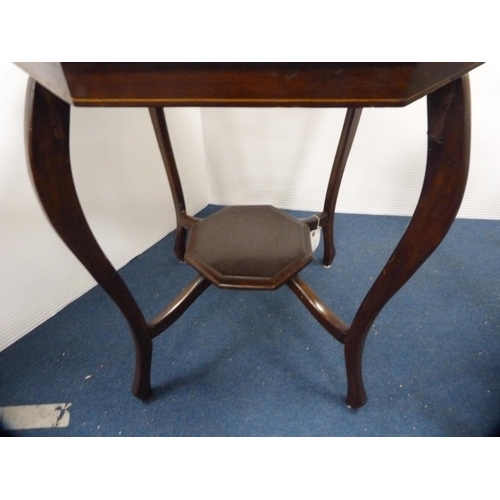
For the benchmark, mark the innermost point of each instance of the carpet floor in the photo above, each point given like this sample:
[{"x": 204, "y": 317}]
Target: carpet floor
[{"x": 242, "y": 363}]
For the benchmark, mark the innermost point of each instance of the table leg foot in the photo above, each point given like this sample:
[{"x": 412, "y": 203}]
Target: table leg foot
[
  {"x": 141, "y": 386},
  {"x": 328, "y": 244},
  {"x": 180, "y": 243},
  {"x": 356, "y": 394}
]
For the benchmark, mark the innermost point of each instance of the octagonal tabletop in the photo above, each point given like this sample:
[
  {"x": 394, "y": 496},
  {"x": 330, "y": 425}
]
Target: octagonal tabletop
[
  {"x": 331, "y": 84},
  {"x": 249, "y": 247}
]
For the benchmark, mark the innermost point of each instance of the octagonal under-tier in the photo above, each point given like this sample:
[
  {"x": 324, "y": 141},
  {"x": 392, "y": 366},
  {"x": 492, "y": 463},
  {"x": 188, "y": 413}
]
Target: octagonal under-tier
[{"x": 249, "y": 247}]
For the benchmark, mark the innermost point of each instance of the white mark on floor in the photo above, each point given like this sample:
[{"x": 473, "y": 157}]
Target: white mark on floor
[{"x": 45, "y": 416}]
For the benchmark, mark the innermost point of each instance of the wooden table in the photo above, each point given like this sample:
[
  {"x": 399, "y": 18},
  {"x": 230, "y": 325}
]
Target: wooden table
[{"x": 55, "y": 87}]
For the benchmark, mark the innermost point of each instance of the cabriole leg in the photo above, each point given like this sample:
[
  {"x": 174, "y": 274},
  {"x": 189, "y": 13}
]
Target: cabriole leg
[
  {"x": 47, "y": 139},
  {"x": 442, "y": 192}
]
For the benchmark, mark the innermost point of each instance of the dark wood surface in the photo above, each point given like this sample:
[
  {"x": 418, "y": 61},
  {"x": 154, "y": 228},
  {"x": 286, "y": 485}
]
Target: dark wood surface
[
  {"x": 249, "y": 247},
  {"x": 263, "y": 84},
  {"x": 244, "y": 84}
]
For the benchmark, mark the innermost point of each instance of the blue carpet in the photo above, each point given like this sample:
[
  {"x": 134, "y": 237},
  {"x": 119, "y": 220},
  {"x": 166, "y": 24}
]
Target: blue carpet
[{"x": 242, "y": 363}]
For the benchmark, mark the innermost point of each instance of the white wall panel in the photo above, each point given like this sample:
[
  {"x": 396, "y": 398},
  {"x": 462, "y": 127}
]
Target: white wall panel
[
  {"x": 284, "y": 156},
  {"x": 280, "y": 157},
  {"x": 482, "y": 197},
  {"x": 121, "y": 180}
]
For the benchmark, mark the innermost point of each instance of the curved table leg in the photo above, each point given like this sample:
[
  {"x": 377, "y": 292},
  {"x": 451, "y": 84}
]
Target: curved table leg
[
  {"x": 344, "y": 148},
  {"x": 167, "y": 154},
  {"x": 442, "y": 192},
  {"x": 47, "y": 139}
]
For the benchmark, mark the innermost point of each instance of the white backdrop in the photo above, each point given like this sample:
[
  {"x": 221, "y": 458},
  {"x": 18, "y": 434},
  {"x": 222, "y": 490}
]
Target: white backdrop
[{"x": 277, "y": 156}]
